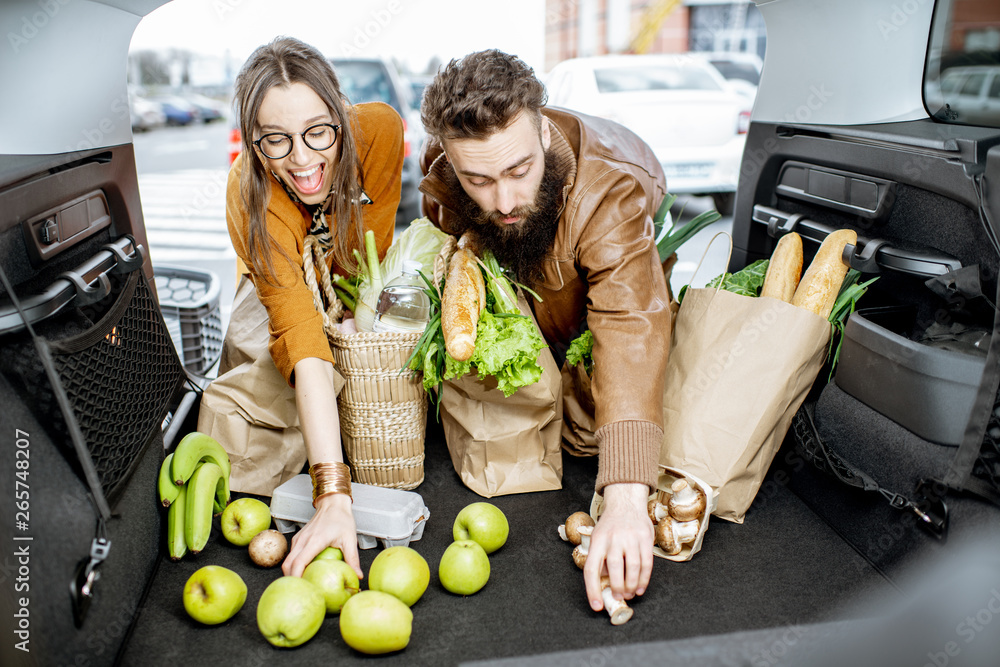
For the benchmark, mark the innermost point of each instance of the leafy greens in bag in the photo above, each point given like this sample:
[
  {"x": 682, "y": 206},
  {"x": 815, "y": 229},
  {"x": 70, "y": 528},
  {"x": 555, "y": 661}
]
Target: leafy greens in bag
[
  {"x": 581, "y": 351},
  {"x": 746, "y": 281},
  {"x": 507, "y": 342}
]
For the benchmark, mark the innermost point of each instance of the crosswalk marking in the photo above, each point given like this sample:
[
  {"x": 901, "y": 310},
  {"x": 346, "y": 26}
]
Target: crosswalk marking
[{"x": 185, "y": 215}]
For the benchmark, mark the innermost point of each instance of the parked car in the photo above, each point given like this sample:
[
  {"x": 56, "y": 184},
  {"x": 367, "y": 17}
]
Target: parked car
[
  {"x": 146, "y": 114},
  {"x": 680, "y": 105},
  {"x": 209, "y": 109},
  {"x": 377, "y": 80},
  {"x": 830, "y": 568},
  {"x": 969, "y": 94},
  {"x": 178, "y": 110},
  {"x": 740, "y": 69},
  {"x": 417, "y": 84}
]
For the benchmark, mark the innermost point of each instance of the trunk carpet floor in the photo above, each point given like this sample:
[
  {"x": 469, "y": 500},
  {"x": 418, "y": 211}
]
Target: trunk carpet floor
[{"x": 782, "y": 567}]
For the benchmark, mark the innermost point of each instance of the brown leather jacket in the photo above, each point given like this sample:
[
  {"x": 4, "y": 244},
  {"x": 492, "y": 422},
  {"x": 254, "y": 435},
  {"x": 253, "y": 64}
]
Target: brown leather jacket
[{"x": 603, "y": 273}]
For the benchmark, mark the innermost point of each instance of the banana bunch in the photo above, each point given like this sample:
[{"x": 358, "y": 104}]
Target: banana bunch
[{"x": 194, "y": 486}]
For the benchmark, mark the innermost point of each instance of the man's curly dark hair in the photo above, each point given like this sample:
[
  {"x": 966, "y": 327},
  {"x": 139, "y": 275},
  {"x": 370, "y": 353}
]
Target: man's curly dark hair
[{"x": 479, "y": 95}]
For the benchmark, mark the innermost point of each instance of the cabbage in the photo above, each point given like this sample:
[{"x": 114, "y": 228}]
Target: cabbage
[{"x": 421, "y": 241}]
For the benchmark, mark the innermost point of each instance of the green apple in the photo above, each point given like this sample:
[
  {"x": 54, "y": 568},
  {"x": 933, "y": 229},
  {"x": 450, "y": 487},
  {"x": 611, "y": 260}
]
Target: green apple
[
  {"x": 464, "y": 568},
  {"x": 330, "y": 553},
  {"x": 400, "y": 571},
  {"x": 375, "y": 622},
  {"x": 213, "y": 594},
  {"x": 290, "y": 611},
  {"x": 484, "y": 523},
  {"x": 243, "y": 519},
  {"x": 335, "y": 579}
]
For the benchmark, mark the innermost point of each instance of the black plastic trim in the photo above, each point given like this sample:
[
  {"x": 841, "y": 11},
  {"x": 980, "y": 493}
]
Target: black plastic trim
[{"x": 868, "y": 256}]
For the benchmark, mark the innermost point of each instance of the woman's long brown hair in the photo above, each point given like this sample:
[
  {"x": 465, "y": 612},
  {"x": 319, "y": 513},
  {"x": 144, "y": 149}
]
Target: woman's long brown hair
[{"x": 282, "y": 62}]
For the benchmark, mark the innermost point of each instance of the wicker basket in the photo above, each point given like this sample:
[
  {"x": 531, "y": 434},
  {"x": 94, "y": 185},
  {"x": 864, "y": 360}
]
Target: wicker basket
[{"x": 383, "y": 405}]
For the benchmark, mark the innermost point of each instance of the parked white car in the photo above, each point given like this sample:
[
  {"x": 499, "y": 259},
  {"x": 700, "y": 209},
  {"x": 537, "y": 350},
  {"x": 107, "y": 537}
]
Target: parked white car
[
  {"x": 740, "y": 69},
  {"x": 971, "y": 94},
  {"x": 679, "y": 104}
]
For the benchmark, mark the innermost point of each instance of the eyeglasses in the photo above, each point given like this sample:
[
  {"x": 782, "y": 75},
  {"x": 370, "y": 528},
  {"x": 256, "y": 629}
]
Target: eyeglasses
[{"x": 276, "y": 145}]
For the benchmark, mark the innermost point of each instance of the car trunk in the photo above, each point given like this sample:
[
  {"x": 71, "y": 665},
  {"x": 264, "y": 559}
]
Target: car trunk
[{"x": 913, "y": 192}]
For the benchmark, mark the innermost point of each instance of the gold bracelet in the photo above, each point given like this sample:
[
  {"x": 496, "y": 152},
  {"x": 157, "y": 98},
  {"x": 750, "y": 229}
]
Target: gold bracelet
[{"x": 329, "y": 478}]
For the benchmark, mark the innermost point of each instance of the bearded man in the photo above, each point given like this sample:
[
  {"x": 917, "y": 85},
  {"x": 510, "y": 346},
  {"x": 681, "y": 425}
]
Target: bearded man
[{"x": 566, "y": 202}]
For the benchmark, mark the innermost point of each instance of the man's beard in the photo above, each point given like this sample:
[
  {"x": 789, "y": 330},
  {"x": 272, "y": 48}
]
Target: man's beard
[{"x": 519, "y": 247}]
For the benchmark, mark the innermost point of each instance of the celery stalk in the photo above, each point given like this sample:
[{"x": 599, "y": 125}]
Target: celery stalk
[
  {"x": 345, "y": 298},
  {"x": 342, "y": 282},
  {"x": 374, "y": 270}
]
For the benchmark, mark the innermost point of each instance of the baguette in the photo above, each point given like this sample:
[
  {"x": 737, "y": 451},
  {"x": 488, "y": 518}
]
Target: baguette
[
  {"x": 463, "y": 299},
  {"x": 784, "y": 269},
  {"x": 817, "y": 291}
]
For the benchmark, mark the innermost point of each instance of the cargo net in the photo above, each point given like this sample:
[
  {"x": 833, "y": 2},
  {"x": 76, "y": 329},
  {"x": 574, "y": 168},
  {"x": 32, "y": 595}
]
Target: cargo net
[
  {"x": 987, "y": 466},
  {"x": 119, "y": 369}
]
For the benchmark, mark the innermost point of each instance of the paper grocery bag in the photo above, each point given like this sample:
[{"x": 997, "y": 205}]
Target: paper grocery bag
[
  {"x": 738, "y": 370},
  {"x": 578, "y": 411},
  {"x": 502, "y": 445},
  {"x": 249, "y": 408}
]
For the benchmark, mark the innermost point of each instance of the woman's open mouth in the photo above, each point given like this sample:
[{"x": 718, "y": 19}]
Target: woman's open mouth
[{"x": 308, "y": 181}]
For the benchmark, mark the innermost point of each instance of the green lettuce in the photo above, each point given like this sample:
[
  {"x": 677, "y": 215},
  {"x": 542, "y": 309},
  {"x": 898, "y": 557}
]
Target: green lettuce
[
  {"x": 747, "y": 281},
  {"x": 580, "y": 351},
  {"x": 507, "y": 348}
]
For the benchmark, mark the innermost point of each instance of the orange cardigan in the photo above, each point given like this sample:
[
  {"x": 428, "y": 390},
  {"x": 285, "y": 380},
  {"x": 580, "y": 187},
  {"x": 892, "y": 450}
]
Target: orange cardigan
[{"x": 296, "y": 327}]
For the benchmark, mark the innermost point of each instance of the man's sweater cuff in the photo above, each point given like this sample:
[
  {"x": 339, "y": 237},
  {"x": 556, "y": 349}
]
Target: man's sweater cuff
[{"x": 629, "y": 452}]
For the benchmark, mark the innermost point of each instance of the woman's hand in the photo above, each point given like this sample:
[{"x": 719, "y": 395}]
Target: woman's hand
[
  {"x": 621, "y": 546},
  {"x": 331, "y": 526},
  {"x": 333, "y": 523}
]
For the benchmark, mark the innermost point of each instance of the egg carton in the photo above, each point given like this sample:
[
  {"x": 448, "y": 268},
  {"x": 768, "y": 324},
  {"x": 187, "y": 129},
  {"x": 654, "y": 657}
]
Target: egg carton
[
  {"x": 392, "y": 516},
  {"x": 662, "y": 494}
]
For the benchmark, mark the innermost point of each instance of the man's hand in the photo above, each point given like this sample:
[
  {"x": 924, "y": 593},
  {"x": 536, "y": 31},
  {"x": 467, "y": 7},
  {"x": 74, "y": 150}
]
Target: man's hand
[
  {"x": 331, "y": 525},
  {"x": 621, "y": 546}
]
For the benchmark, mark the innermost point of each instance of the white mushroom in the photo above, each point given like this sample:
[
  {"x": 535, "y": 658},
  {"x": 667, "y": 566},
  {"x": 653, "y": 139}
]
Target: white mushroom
[
  {"x": 619, "y": 612},
  {"x": 671, "y": 535},
  {"x": 268, "y": 548},
  {"x": 686, "y": 503},
  {"x": 657, "y": 510},
  {"x": 581, "y": 550},
  {"x": 570, "y": 531}
]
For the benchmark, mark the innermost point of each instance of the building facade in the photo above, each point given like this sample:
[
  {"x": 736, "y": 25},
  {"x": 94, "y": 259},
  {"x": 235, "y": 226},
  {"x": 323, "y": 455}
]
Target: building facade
[{"x": 579, "y": 28}]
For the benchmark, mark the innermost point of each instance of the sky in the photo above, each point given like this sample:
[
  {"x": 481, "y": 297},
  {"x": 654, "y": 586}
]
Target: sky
[{"x": 412, "y": 31}]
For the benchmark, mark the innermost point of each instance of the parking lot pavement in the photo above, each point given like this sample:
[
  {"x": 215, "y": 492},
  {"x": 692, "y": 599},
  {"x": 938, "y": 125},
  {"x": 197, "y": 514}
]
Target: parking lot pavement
[{"x": 185, "y": 218}]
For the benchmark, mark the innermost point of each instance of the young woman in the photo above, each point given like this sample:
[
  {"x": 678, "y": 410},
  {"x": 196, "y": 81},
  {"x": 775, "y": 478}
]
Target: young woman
[{"x": 312, "y": 164}]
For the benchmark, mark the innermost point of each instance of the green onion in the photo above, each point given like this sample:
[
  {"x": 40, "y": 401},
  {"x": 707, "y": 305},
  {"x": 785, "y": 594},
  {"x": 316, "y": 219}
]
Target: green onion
[
  {"x": 345, "y": 285},
  {"x": 667, "y": 239},
  {"x": 349, "y": 302},
  {"x": 847, "y": 298}
]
